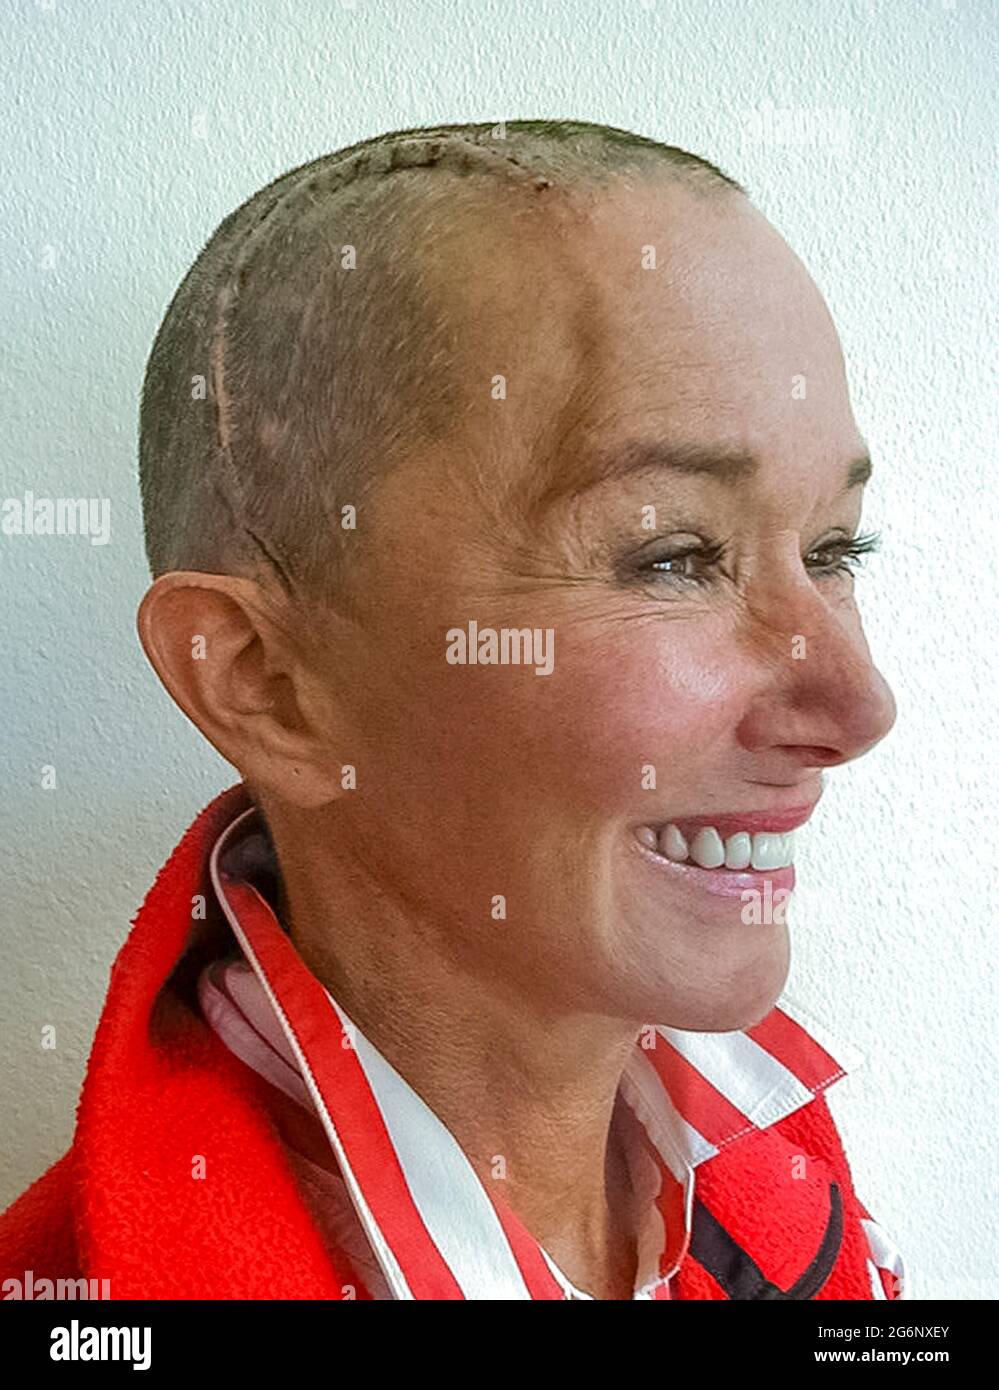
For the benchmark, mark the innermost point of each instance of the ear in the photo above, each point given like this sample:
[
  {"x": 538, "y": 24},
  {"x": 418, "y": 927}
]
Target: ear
[{"x": 229, "y": 659}]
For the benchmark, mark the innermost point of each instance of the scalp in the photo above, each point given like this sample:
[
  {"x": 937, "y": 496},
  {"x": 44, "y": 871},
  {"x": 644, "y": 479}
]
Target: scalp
[{"x": 320, "y": 377}]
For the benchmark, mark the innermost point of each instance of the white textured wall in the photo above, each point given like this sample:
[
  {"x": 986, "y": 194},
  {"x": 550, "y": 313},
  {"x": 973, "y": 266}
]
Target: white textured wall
[{"x": 130, "y": 128}]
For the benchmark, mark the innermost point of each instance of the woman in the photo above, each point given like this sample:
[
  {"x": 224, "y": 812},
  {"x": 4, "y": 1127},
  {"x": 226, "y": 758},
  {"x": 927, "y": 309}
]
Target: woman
[{"x": 470, "y": 988}]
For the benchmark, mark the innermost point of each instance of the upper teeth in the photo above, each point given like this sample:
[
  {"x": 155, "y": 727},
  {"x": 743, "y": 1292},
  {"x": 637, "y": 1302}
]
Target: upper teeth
[{"x": 708, "y": 850}]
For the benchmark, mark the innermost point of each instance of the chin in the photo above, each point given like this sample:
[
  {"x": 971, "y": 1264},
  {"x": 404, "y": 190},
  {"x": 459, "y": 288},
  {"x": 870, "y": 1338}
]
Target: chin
[
  {"x": 731, "y": 1016},
  {"x": 709, "y": 1000}
]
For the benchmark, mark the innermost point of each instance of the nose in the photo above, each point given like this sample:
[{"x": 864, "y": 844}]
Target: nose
[{"x": 821, "y": 700}]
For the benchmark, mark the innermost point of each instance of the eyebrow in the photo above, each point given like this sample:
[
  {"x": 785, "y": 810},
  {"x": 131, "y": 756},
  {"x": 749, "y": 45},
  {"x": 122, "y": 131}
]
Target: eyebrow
[{"x": 727, "y": 466}]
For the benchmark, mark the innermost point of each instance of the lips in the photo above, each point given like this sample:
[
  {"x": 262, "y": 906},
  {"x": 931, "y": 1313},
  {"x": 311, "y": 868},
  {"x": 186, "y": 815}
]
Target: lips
[
  {"x": 731, "y": 822},
  {"x": 723, "y": 883}
]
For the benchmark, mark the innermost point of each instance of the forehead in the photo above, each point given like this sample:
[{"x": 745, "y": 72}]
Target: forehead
[{"x": 647, "y": 314}]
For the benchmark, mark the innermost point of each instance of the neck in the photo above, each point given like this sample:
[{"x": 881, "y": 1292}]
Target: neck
[{"x": 527, "y": 1088}]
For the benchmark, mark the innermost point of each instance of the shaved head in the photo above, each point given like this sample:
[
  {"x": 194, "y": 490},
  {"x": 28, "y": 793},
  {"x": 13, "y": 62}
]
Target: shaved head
[{"x": 330, "y": 328}]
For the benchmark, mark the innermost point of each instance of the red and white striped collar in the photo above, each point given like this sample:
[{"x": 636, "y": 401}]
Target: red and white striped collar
[{"x": 435, "y": 1229}]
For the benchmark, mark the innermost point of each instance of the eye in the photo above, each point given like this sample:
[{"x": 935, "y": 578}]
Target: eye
[
  {"x": 841, "y": 555},
  {"x": 685, "y": 565}
]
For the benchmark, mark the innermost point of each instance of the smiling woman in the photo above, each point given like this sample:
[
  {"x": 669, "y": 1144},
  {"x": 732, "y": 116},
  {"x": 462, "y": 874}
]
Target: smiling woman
[{"x": 482, "y": 994}]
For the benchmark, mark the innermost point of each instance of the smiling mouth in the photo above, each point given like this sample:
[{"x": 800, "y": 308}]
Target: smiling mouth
[
  {"x": 721, "y": 881},
  {"x": 727, "y": 853}
]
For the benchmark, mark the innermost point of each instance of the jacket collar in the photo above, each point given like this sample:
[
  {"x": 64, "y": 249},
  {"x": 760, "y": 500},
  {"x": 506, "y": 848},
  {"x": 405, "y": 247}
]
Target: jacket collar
[{"x": 180, "y": 1184}]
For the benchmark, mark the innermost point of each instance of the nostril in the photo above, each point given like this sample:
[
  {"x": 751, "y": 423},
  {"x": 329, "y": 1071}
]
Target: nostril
[{"x": 817, "y": 756}]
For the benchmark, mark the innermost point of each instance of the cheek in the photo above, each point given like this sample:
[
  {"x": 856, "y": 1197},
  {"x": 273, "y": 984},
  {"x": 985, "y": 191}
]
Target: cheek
[
  {"x": 664, "y": 695},
  {"x": 663, "y": 702}
]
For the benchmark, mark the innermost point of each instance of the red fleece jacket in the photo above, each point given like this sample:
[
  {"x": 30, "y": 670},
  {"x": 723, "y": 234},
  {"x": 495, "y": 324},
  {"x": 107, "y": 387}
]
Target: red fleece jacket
[{"x": 161, "y": 1089}]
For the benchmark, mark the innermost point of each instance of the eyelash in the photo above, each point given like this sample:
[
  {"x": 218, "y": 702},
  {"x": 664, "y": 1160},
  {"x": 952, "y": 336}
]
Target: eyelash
[{"x": 846, "y": 552}]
